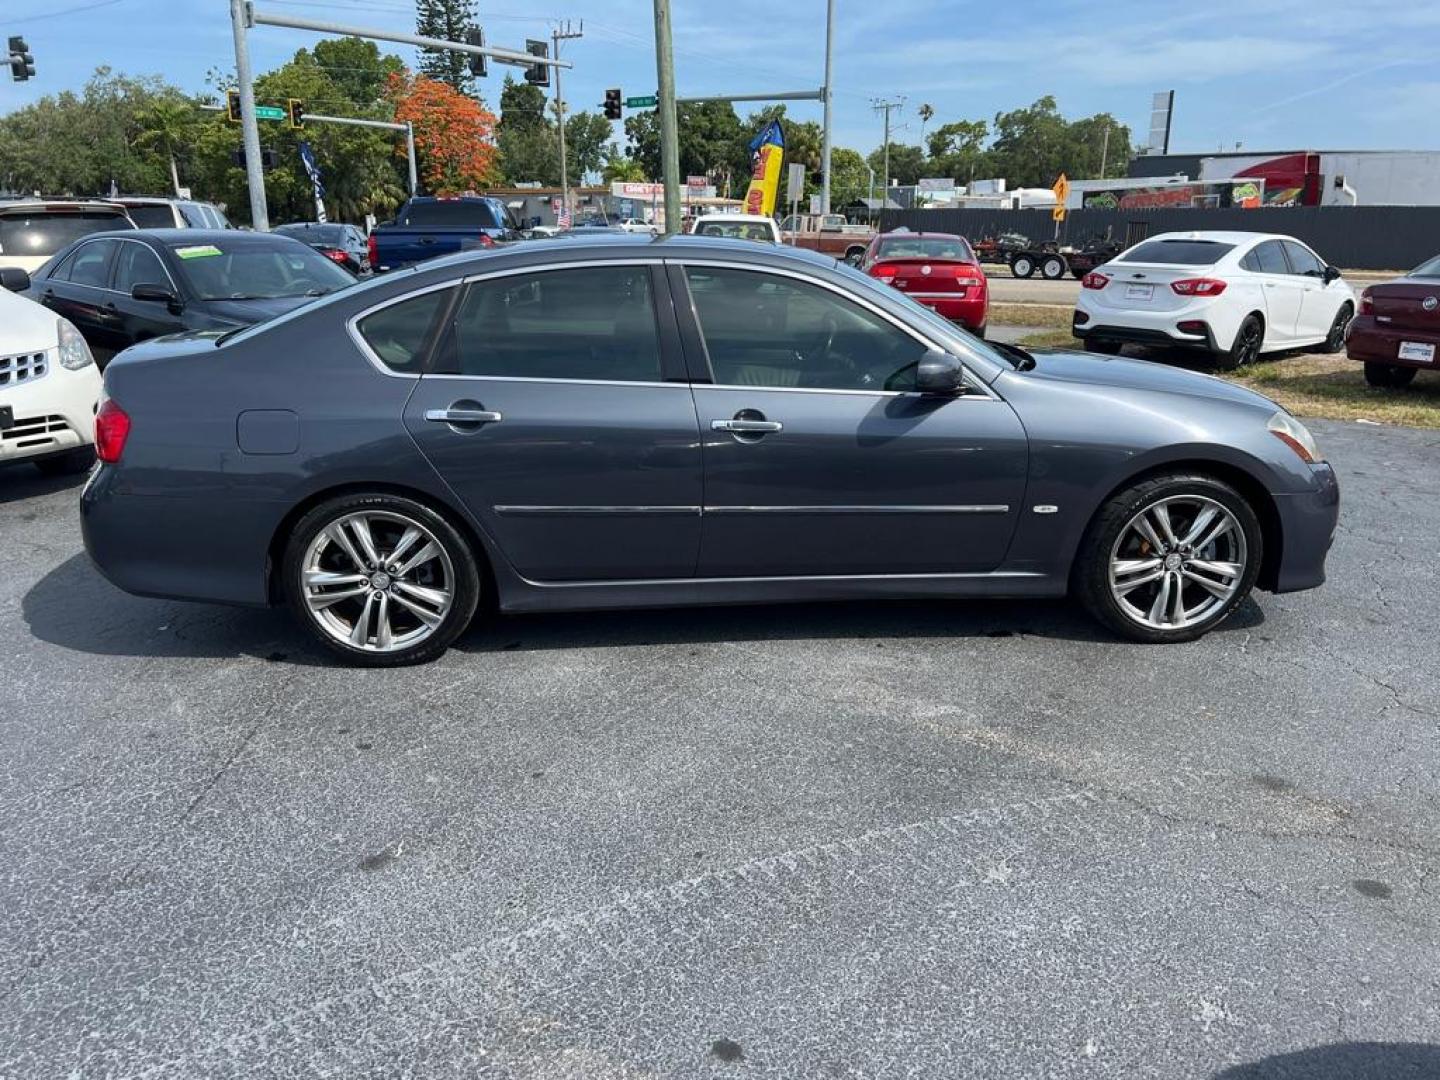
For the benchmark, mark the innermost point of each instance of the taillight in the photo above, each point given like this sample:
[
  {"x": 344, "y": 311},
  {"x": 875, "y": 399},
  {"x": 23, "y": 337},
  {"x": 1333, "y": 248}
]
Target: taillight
[
  {"x": 884, "y": 271},
  {"x": 373, "y": 252},
  {"x": 112, "y": 428},
  {"x": 1367, "y": 303},
  {"x": 334, "y": 254},
  {"x": 486, "y": 241},
  {"x": 1198, "y": 286},
  {"x": 1092, "y": 280}
]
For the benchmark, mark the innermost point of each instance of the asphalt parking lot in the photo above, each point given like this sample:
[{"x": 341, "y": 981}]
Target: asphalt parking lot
[{"x": 861, "y": 840}]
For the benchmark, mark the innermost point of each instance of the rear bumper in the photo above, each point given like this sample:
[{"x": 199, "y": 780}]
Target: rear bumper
[
  {"x": 1372, "y": 342},
  {"x": 969, "y": 312},
  {"x": 1307, "y": 529},
  {"x": 1142, "y": 335}
]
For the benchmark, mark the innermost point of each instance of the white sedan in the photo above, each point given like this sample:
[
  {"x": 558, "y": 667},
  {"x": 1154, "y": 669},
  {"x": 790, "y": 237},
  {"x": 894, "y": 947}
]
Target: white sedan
[
  {"x": 1233, "y": 294},
  {"x": 49, "y": 386}
]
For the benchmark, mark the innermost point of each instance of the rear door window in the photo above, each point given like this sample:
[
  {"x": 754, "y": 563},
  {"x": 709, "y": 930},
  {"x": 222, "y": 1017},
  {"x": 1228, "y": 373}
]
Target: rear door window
[
  {"x": 585, "y": 323},
  {"x": 90, "y": 264},
  {"x": 398, "y": 334},
  {"x": 1270, "y": 258}
]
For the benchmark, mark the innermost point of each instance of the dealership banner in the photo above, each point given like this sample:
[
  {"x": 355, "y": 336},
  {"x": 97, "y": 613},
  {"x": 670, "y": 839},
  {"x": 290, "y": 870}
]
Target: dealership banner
[{"x": 767, "y": 150}]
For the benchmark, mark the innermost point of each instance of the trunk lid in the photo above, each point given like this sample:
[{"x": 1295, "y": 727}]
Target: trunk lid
[
  {"x": 1144, "y": 286},
  {"x": 1402, "y": 304},
  {"x": 917, "y": 275}
]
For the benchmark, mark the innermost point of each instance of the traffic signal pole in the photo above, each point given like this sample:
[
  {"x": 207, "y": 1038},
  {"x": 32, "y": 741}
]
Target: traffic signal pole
[
  {"x": 249, "y": 126},
  {"x": 665, "y": 107}
]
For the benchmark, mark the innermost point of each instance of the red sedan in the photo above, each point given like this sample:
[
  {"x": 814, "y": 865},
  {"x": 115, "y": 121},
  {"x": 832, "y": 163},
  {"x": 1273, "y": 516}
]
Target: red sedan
[
  {"x": 940, "y": 270},
  {"x": 1397, "y": 331}
]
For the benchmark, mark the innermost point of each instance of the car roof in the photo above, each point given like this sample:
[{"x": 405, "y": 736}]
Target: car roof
[
  {"x": 622, "y": 244},
  {"x": 60, "y": 204},
  {"x": 734, "y": 217},
  {"x": 1219, "y": 237},
  {"x": 922, "y": 235}
]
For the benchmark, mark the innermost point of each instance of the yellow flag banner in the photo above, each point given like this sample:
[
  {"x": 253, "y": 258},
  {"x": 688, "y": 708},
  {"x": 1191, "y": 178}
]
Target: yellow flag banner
[{"x": 767, "y": 151}]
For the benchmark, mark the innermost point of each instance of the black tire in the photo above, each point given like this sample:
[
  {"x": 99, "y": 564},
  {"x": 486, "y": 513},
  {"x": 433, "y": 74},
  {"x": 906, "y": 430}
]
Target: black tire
[
  {"x": 464, "y": 586},
  {"x": 1245, "y": 349},
  {"x": 68, "y": 464},
  {"x": 1388, "y": 375},
  {"x": 1022, "y": 266},
  {"x": 1090, "y": 579},
  {"x": 1335, "y": 339},
  {"x": 1100, "y": 345},
  {"x": 1076, "y": 274},
  {"x": 1052, "y": 267},
  {"x": 855, "y": 255}
]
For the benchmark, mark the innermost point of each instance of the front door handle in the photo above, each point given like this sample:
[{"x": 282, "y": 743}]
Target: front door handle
[
  {"x": 463, "y": 416},
  {"x": 749, "y": 427}
]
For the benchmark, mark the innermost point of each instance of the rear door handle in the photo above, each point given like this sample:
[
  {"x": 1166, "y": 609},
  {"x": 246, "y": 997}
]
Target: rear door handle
[
  {"x": 751, "y": 426},
  {"x": 463, "y": 416}
]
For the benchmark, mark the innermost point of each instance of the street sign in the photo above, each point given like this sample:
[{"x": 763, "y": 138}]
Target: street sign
[
  {"x": 1062, "y": 189},
  {"x": 795, "y": 182},
  {"x": 639, "y": 102},
  {"x": 270, "y": 112},
  {"x": 1057, "y": 214}
]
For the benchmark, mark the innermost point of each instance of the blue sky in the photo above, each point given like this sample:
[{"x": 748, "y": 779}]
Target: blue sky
[{"x": 1287, "y": 74}]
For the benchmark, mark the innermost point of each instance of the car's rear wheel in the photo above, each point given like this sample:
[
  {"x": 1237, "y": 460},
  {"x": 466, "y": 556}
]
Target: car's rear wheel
[
  {"x": 380, "y": 580},
  {"x": 1022, "y": 266},
  {"x": 1391, "y": 375},
  {"x": 1245, "y": 349},
  {"x": 1100, "y": 345},
  {"x": 1052, "y": 268},
  {"x": 68, "y": 464},
  {"x": 1335, "y": 339},
  {"x": 1169, "y": 558}
]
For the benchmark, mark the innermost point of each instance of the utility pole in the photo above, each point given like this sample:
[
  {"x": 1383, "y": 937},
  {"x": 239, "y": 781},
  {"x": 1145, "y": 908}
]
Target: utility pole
[
  {"x": 1104, "y": 149},
  {"x": 669, "y": 131},
  {"x": 829, "y": 93},
  {"x": 887, "y": 107},
  {"x": 250, "y": 127},
  {"x": 557, "y": 36}
]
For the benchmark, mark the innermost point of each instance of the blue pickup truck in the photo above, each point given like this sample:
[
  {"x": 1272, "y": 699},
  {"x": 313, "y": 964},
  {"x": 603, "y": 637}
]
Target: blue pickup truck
[{"x": 427, "y": 226}]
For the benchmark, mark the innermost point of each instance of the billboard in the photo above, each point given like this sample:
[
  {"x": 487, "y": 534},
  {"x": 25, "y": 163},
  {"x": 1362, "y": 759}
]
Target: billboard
[{"x": 1142, "y": 196}]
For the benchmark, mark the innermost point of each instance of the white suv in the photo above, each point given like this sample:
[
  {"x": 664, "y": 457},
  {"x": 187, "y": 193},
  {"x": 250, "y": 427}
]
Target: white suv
[
  {"x": 49, "y": 386},
  {"x": 1233, "y": 294}
]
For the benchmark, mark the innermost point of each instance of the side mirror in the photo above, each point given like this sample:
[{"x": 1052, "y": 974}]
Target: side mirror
[
  {"x": 939, "y": 373},
  {"x": 1331, "y": 274},
  {"x": 14, "y": 279},
  {"x": 162, "y": 294}
]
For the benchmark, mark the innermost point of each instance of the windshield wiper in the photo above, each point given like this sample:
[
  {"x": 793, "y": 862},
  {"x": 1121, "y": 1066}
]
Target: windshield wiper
[{"x": 1022, "y": 360}]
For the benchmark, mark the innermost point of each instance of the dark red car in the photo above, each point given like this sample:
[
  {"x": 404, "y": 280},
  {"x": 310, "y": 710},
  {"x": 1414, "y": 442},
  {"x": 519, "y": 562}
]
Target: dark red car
[
  {"x": 1397, "y": 330},
  {"x": 940, "y": 270}
]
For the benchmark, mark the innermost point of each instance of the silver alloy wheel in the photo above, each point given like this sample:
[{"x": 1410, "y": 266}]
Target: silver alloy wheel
[
  {"x": 377, "y": 580},
  {"x": 1177, "y": 562}
]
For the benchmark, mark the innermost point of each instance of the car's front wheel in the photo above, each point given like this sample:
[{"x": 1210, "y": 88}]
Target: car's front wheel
[
  {"x": 380, "y": 580},
  {"x": 1168, "y": 558}
]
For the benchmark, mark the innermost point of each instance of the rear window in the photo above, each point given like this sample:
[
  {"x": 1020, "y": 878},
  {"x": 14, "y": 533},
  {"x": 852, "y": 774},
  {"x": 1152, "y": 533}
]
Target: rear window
[
  {"x": 450, "y": 215},
  {"x": 925, "y": 247},
  {"x": 1178, "y": 252},
  {"x": 1429, "y": 269},
  {"x": 741, "y": 230},
  {"x": 153, "y": 217},
  {"x": 42, "y": 234},
  {"x": 315, "y": 234}
]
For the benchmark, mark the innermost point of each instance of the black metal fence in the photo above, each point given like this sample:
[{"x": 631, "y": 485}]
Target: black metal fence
[{"x": 1353, "y": 237}]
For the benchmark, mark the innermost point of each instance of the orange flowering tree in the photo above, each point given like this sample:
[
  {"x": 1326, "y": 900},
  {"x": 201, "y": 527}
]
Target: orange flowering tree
[{"x": 454, "y": 134}]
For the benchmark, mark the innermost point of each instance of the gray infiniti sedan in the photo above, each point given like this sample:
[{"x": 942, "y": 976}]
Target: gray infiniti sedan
[{"x": 624, "y": 421}]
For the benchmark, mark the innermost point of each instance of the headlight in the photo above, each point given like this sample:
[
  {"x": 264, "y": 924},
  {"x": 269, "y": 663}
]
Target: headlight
[
  {"x": 1294, "y": 435},
  {"x": 74, "y": 353}
]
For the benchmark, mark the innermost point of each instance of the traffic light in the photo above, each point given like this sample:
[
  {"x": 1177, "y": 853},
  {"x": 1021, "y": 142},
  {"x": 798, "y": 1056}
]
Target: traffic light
[
  {"x": 295, "y": 110},
  {"x": 613, "y": 107},
  {"x": 22, "y": 60},
  {"x": 538, "y": 74},
  {"x": 269, "y": 159},
  {"x": 232, "y": 106},
  {"x": 479, "y": 65}
]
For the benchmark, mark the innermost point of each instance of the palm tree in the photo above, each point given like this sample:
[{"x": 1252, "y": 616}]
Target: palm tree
[
  {"x": 926, "y": 112},
  {"x": 167, "y": 123}
]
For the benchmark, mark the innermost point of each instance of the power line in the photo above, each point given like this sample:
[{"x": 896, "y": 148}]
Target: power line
[{"x": 887, "y": 107}]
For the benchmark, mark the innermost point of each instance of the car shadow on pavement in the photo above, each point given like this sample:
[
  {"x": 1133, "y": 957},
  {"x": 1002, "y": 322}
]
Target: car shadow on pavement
[
  {"x": 22, "y": 481},
  {"x": 74, "y": 607},
  {"x": 1345, "y": 1061}
]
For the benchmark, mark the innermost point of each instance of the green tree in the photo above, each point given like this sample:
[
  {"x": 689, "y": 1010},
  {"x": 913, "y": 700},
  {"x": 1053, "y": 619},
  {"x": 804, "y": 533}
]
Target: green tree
[
  {"x": 525, "y": 136},
  {"x": 849, "y": 177},
  {"x": 712, "y": 143},
  {"x": 1093, "y": 138},
  {"x": 906, "y": 164},
  {"x": 957, "y": 150},
  {"x": 357, "y": 68},
  {"x": 619, "y": 167},
  {"x": 1032, "y": 145},
  {"x": 586, "y": 136},
  {"x": 447, "y": 19},
  {"x": 168, "y": 123}
]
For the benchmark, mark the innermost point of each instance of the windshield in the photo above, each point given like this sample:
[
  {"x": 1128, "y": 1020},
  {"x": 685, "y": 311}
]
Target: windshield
[
  {"x": 258, "y": 271},
  {"x": 1178, "y": 252},
  {"x": 1429, "y": 269},
  {"x": 924, "y": 247},
  {"x": 38, "y": 234}
]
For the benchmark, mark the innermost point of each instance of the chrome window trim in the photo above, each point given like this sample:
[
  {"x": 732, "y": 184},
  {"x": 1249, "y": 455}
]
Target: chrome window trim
[
  {"x": 352, "y": 327},
  {"x": 75, "y": 254},
  {"x": 592, "y": 511},
  {"x": 877, "y": 508},
  {"x": 971, "y": 380},
  {"x": 168, "y": 276}
]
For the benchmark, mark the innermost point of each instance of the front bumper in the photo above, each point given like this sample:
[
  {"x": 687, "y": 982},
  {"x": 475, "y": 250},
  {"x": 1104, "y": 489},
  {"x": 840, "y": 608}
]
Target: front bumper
[
  {"x": 1307, "y": 529},
  {"x": 54, "y": 413},
  {"x": 1373, "y": 342}
]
